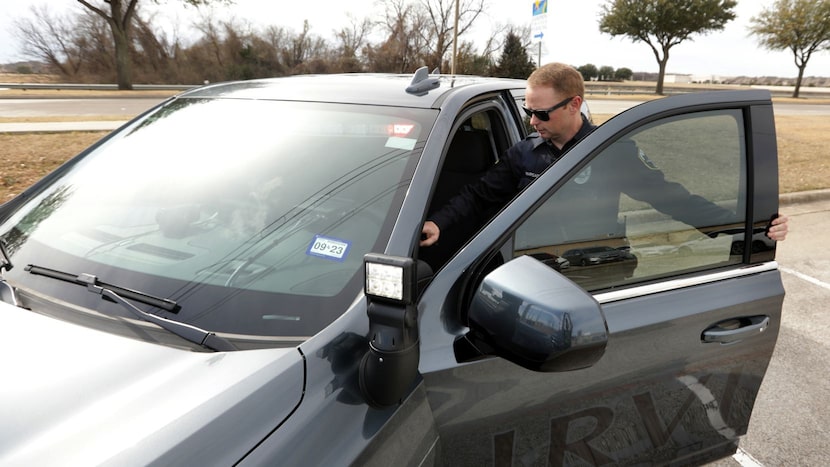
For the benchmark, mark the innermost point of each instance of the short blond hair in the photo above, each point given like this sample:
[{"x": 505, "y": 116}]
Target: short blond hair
[{"x": 564, "y": 79}]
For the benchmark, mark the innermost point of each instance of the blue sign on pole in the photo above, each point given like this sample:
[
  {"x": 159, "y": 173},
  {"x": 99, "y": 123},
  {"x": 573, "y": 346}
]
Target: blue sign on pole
[{"x": 539, "y": 21}]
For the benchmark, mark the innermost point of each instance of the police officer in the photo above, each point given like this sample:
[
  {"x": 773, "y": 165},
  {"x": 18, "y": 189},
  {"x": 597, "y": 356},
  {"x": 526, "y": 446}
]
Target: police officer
[{"x": 553, "y": 100}]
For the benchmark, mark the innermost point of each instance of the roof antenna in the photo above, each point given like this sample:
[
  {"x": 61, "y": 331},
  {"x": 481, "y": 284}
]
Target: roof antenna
[{"x": 422, "y": 83}]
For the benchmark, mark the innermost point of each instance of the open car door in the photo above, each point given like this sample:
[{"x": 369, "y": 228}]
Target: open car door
[{"x": 658, "y": 216}]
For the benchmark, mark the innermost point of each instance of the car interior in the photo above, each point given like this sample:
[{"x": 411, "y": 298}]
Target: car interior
[{"x": 473, "y": 150}]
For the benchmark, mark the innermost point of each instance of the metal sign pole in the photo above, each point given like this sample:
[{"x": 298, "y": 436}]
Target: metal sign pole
[{"x": 539, "y": 23}]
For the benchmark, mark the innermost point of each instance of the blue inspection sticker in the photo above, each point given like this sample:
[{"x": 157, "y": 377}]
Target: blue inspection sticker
[{"x": 334, "y": 249}]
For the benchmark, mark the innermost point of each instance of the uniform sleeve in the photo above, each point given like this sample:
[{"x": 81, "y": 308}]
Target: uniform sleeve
[
  {"x": 478, "y": 201},
  {"x": 645, "y": 182}
]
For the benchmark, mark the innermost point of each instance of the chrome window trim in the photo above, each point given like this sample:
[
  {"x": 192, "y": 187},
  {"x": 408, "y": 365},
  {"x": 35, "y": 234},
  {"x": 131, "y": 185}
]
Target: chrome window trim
[{"x": 665, "y": 286}]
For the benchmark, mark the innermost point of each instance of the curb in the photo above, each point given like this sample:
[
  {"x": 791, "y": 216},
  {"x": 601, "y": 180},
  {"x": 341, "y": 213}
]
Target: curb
[{"x": 789, "y": 199}]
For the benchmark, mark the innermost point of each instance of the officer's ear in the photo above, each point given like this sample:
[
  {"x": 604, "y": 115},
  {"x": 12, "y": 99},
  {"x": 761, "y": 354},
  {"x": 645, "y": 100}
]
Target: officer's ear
[{"x": 576, "y": 102}]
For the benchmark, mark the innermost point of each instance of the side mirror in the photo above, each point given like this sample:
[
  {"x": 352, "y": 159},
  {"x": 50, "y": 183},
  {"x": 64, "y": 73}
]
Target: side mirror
[{"x": 531, "y": 315}]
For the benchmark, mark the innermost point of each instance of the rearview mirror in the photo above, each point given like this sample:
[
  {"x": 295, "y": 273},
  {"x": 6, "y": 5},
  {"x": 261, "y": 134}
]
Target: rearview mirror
[{"x": 531, "y": 315}]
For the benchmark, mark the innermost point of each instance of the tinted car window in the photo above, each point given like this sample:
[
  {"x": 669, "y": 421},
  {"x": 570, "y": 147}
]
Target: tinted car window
[
  {"x": 664, "y": 199},
  {"x": 255, "y": 224}
]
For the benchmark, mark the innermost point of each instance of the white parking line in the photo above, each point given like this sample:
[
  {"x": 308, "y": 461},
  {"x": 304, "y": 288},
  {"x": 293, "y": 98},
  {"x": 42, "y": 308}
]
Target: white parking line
[
  {"x": 711, "y": 405},
  {"x": 742, "y": 457},
  {"x": 805, "y": 277}
]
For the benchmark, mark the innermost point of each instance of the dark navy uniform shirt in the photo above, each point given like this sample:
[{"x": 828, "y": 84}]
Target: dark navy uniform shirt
[{"x": 522, "y": 164}]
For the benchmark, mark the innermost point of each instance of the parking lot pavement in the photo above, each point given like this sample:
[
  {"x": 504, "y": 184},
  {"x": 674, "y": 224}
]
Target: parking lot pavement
[{"x": 789, "y": 425}]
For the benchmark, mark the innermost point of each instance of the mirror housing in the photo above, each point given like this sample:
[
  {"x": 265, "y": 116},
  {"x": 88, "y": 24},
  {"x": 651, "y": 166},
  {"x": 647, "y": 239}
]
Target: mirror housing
[
  {"x": 529, "y": 314},
  {"x": 390, "y": 366}
]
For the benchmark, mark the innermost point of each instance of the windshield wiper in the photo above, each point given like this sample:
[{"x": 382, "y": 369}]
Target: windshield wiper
[
  {"x": 114, "y": 294},
  {"x": 163, "y": 303}
]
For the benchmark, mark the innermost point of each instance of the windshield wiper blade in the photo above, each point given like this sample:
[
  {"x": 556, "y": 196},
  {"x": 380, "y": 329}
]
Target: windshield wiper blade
[
  {"x": 192, "y": 333},
  {"x": 113, "y": 293},
  {"x": 158, "y": 302}
]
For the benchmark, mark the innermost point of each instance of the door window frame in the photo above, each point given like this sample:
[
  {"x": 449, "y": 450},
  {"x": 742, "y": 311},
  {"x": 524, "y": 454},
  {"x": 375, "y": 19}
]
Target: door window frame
[{"x": 498, "y": 234}]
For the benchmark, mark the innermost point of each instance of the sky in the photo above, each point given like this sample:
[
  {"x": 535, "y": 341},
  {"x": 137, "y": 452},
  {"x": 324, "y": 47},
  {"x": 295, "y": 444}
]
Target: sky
[{"x": 572, "y": 34}]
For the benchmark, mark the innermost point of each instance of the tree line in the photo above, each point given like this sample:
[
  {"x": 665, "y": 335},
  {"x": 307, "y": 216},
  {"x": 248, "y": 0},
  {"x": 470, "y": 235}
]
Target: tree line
[
  {"x": 112, "y": 40},
  {"x": 80, "y": 46}
]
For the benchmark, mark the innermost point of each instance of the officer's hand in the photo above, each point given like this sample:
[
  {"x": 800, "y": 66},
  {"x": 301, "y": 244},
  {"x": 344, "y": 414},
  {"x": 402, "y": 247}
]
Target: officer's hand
[
  {"x": 778, "y": 228},
  {"x": 429, "y": 234}
]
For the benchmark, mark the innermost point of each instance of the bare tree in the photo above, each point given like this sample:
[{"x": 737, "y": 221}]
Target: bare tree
[
  {"x": 353, "y": 40},
  {"x": 276, "y": 37},
  {"x": 418, "y": 32},
  {"x": 119, "y": 15},
  {"x": 93, "y": 44},
  {"x": 404, "y": 45},
  {"x": 48, "y": 38},
  {"x": 303, "y": 48},
  {"x": 119, "y": 18},
  {"x": 154, "y": 52},
  {"x": 438, "y": 35},
  {"x": 498, "y": 37}
]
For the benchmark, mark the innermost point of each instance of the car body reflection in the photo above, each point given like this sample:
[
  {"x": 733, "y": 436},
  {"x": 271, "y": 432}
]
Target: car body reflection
[
  {"x": 599, "y": 254},
  {"x": 556, "y": 262}
]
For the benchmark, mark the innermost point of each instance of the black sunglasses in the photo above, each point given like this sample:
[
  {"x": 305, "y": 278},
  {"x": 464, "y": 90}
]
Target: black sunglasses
[{"x": 544, "y": 115}]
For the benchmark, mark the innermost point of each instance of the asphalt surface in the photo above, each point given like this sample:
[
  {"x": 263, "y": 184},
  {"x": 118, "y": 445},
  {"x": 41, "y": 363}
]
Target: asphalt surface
[
  {"x": 86, "y": 113},
  {"x": 789, "y": 425}
]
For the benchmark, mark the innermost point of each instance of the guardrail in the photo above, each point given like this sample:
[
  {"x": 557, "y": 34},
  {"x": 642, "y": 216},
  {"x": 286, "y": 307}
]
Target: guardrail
[
  {"x": 96, "y": 87},
  {"x": 591, "y": 88}
]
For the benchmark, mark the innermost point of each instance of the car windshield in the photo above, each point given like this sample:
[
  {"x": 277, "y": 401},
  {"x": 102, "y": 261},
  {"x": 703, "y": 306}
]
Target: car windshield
[{"x": 252, "y": 215}]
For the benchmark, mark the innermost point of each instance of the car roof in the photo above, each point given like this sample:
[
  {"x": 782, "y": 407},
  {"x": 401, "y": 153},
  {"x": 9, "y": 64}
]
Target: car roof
[{"x": 362, "y": 88}]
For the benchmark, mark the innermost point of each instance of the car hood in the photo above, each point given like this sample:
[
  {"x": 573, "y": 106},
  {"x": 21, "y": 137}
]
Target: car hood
[{"x": 78, "y": 396}]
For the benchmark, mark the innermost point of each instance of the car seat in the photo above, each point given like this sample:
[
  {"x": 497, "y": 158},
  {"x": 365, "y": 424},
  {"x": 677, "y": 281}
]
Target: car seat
[{"x": 469, "y": 156}]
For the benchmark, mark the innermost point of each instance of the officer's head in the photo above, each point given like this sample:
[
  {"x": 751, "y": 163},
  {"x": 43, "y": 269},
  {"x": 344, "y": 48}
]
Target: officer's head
[
  {"x": 564, "y": 79},
  {"x": 553, "y": 101}
]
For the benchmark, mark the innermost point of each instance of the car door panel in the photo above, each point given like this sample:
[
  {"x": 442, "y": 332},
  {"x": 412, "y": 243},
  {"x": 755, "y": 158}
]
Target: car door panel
[
  {"x": 658, "y": 391},
  {"x": 661, "y": 392}
]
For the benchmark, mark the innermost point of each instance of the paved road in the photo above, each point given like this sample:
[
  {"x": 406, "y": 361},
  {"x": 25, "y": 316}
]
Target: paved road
[
  {"x": 88, "y": 113},
  {"x": 127, "y": 107},
  {"x": 132, "y": 106}
]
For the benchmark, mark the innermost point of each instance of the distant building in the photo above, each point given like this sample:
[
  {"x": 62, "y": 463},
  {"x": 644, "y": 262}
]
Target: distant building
[
  {"x": 677, "y": 79},
  {"x": 710, "y": 79}
]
